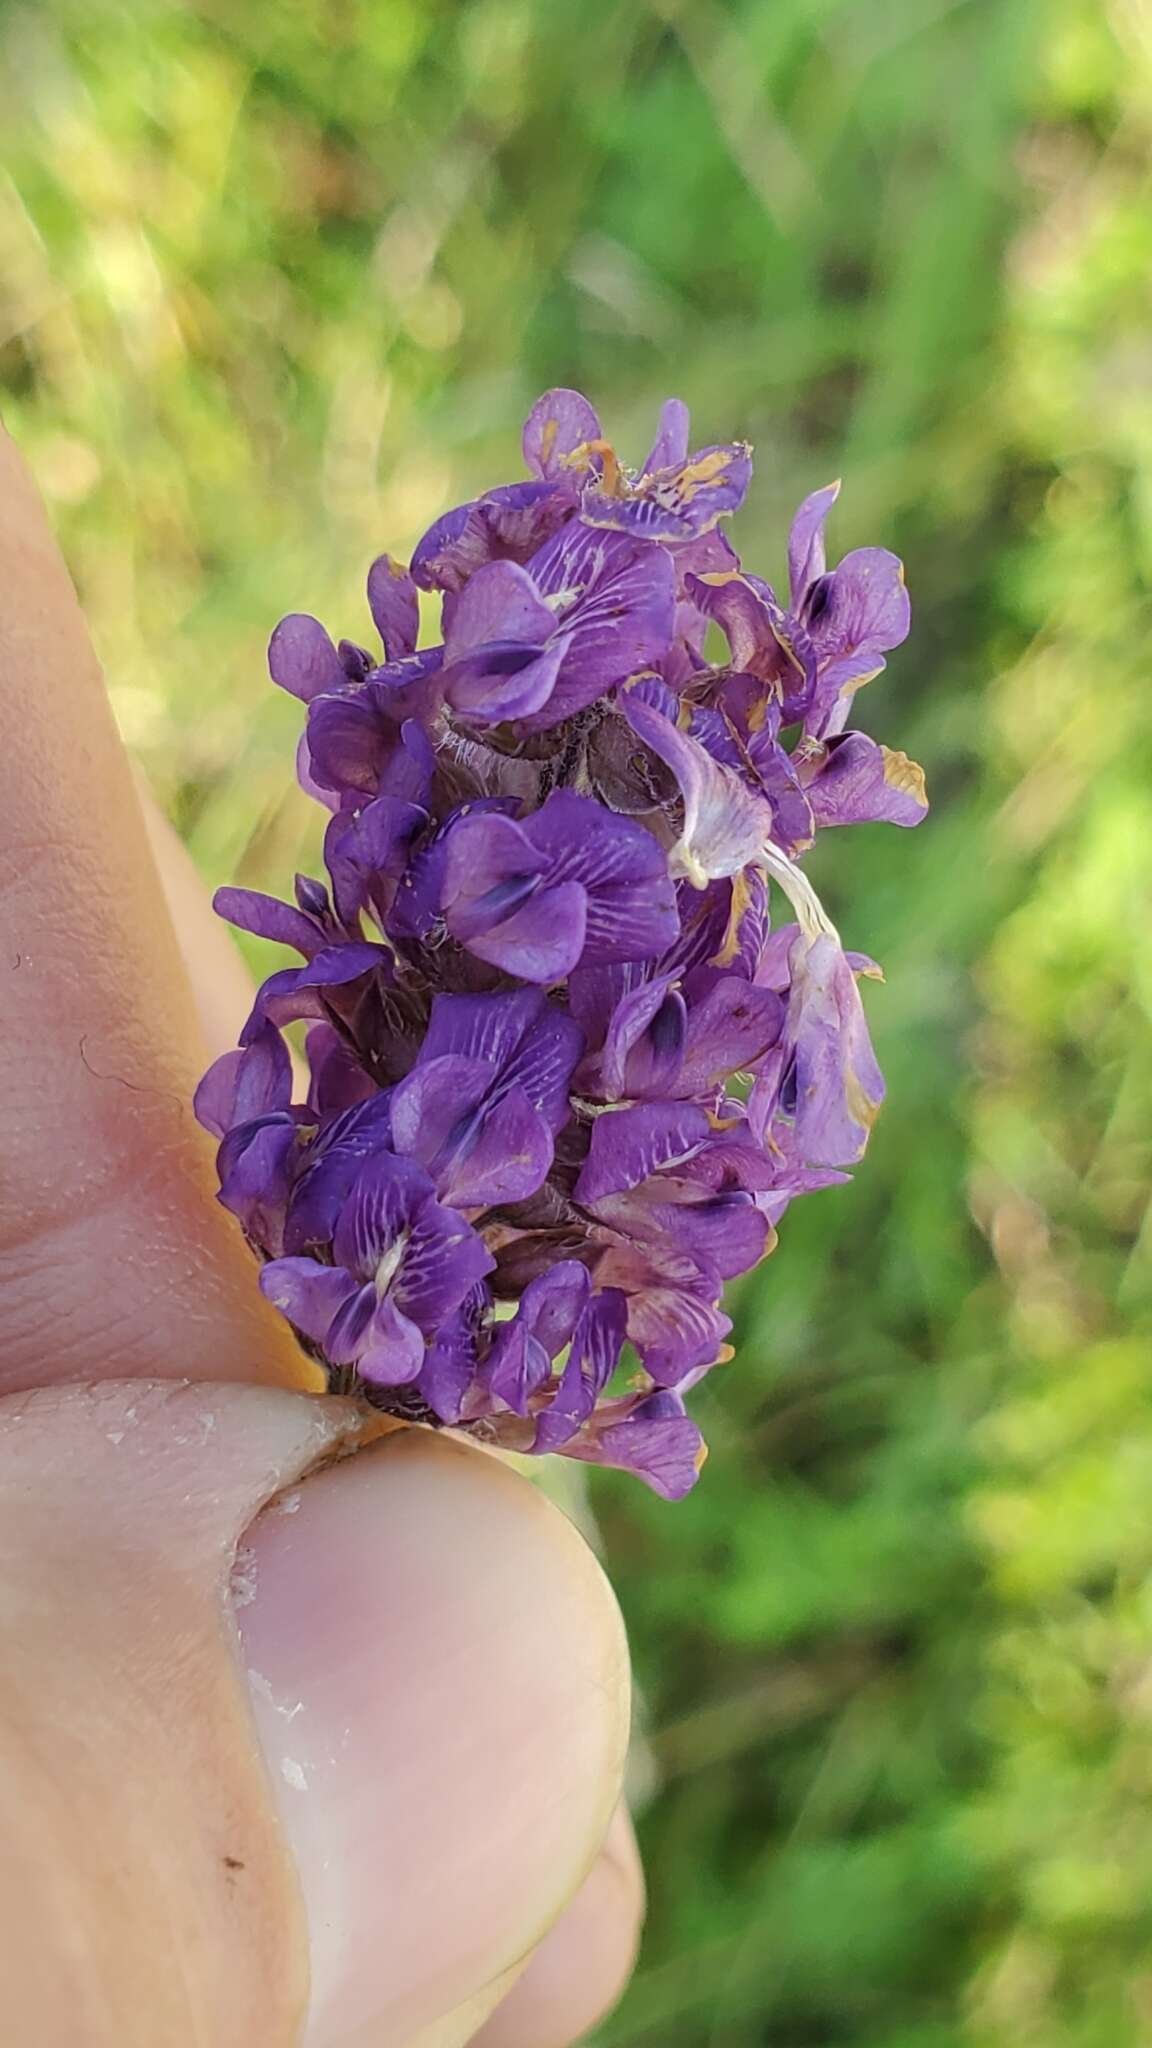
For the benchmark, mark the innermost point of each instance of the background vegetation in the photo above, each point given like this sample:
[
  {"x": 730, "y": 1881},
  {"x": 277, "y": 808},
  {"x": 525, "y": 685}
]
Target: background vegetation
[{"x": 278, "y": 279}]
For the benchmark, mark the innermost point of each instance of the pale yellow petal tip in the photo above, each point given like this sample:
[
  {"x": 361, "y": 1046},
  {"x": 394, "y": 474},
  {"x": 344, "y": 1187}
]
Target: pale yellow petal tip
[{"x": 905, "y": 775}]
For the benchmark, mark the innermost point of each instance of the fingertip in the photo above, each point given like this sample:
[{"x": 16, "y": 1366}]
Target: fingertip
[
  {"x": 583, "y": 1964},
  {"x": 439, "y": 1677}
]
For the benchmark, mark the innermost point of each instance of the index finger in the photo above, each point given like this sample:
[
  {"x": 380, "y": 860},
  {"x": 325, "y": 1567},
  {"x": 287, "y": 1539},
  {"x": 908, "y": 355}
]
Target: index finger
[{"x": 115, "y": 1261}]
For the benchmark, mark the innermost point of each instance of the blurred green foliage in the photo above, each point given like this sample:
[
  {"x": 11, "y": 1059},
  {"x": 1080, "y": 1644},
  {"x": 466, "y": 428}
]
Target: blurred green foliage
[{"x": 277, "y": 283}]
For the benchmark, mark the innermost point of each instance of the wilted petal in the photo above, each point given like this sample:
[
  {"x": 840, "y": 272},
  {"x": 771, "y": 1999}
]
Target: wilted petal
[
  {"x": 674, "y": 1317},
  {"x": 838, "y": 1087},
  {"x": 677, "y": 503},
  {"x": 507, "y": 524},
  {"x": 726, "y": 825}
]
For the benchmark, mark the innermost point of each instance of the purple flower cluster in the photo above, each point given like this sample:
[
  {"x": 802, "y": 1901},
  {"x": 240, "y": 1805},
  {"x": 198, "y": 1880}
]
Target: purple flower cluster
[{"x": 565, "y": 1074}]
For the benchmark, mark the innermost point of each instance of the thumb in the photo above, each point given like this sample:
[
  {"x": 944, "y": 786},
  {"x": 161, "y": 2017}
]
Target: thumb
[{"x": 320, "y": 1773}]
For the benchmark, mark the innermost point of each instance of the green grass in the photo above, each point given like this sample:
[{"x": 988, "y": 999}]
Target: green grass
[{"x": 277, "y": 283}]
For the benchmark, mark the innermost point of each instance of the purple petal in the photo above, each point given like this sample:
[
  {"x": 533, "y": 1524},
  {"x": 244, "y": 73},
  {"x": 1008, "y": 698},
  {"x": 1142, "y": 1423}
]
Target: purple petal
[
  {"x": 254, "y": 1164},
  {"x": 331, "y": 1167},
  {"x": 624, "y": 1069},
  {"x": 348, "y": 1334},
  {"x": 657, "y": 1442},
  {"x": 386, "y": 1199},
  {"x": 510, "y": 1158},
  {"x": 670, "y": 448},
  {"x": 615, "y": 613},
  {"x": 558, "y": 424},
  {"x": 522, "y": 1350},
  {"x": 500, "y": 602},
  {"x": 296, "y": 992},
  {"x": 338, "y": 1081},
  {"x": 393, "y": 1354},
  {"x": 866, "y": 613},
  {"x": 517, "y": 1365},
  {"x": 302, "y": 659},
  {"x": 838, "y": 1086},
  {"x": 859, "y": 782},
  {"x": 479, "y": 1151},
  {"x": 806, "y": 541},
  {"x": 731, "y": 1026},
  {"x": 504, "y": 680},
  {"x": 442, "y": 1263},
  {"x": 629, "y": 1144},
  {"x": 394, "y": 606},
  {"x": 354, "y": 739},
  {"x": 365, "y": 850},
  {"x": 267, "y": 918},
  {"x": 452, "y": 1361},
  {"x": 726, "y": 825},
  {"x": 542, "y": 940},
  {"x": 530, "y": 1043},
  {"x": 724, "y": 1231},
  {"x": 308, "y": 1294},
  {"x": 253, "y": 1081},
  {"x": 596, "y": 1346},
  {"x": 632, "y": 911}
]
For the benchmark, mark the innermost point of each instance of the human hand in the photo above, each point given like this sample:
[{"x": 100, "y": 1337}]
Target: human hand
[{"x": 342, "y": 1804}]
